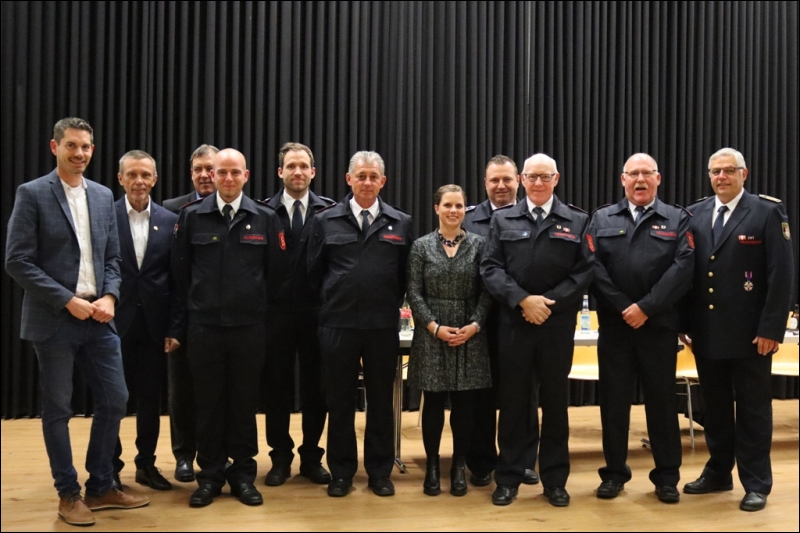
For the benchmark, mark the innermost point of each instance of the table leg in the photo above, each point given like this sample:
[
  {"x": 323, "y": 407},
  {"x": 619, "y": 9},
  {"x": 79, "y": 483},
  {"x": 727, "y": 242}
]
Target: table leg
[{"x": 398, "y": 414}]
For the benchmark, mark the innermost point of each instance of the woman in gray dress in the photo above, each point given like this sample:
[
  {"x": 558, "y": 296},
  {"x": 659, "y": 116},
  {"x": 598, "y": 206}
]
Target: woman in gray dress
[{"x": 449, "y": 352}]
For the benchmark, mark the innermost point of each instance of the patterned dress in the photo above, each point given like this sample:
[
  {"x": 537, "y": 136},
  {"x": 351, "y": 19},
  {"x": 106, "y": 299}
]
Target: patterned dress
[{"x": 449, "y": 291}]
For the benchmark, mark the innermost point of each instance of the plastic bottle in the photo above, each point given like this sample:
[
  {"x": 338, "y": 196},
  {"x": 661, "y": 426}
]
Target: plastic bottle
[
  {"x": 586, "y": 318},
  {"x": 405, "y": 316}
]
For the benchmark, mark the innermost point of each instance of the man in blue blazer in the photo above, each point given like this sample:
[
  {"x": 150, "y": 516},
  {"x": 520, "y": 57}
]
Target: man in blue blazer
[
  {"x": 143, "y": 312},
  {"x": 63, "y": 249},
  {"x": 736, "y": 320}
]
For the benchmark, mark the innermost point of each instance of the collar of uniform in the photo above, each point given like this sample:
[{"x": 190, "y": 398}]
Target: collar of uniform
[
  {"x": 236, "y": 203},
  {"x": 131, "y": 211},
  {"x": 731, "y": 205},
  {"x": 342, "y": 209},
  {"x": 547, "y": 207},
  {"x": 374, "y": 209},
  {"x": 288, "y": 201}
]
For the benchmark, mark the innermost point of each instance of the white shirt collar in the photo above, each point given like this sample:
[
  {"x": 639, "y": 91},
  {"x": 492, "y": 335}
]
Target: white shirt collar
[
  {"x": 632, "y": 207},
  {"x": 731, "y": 205},
  {"x": 373, "y": 209},
  {"x": 68, "y": 187},
  {"x": 545, "y": 207},
  {"x": 288, "y": 201},
  {"x": 235, "y": 203},
  {"x": 131, "y": 211},
  {"x": 494, "y": 207}
]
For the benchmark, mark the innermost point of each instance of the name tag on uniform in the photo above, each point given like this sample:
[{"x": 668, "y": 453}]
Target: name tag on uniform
[
  {"x": 392, "y": 238},
  {"x": 563, "y": 234},
  {"x": 254, "y": 238}
]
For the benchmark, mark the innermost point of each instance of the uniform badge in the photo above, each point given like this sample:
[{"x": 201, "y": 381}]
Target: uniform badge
[
  {"x": 655, "y": 226},
  {"x": 663, "y": 227},
  {"x": 590, "y": 242},
  {"x": 558, "y": 226},
  {"x": 748, "y": 285},
  {"x": 175, "y": 230},
  {"x": 690, "y": 238},
  {"x": 247, "y": 226},
  {"x": 389, "y": 228},
  {"x": 567, "y": 230},
  {"x": 785, "y": 229},
  {"x": 282, "y": 240},
  {"x": 155, "y": 228}
]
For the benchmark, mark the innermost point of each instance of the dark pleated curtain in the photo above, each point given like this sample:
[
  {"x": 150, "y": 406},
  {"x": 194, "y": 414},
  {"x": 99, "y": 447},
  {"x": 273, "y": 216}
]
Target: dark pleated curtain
[{"x": 436, "y": 87}]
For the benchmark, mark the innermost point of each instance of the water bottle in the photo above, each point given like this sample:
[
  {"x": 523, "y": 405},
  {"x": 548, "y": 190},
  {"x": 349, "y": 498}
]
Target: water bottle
[
  {"x": 405, "y": 316},
  {"x": 586, "y": 318}
]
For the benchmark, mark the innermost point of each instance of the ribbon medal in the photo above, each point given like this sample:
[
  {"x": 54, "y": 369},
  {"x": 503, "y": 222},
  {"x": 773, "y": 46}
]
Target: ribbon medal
[{"x": 748, "y": 285}]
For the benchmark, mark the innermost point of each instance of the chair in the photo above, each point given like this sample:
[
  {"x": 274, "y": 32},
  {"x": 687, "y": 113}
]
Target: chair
[
  {"x": 785, "y": 361},
  {"x": 686, "y": 374}
]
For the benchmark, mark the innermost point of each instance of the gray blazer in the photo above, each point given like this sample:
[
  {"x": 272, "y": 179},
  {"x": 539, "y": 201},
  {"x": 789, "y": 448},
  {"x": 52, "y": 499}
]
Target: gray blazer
[{"x": 43, "y": 256}]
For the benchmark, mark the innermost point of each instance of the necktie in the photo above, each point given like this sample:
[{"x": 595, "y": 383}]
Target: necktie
[
  {"x": 227, "y": 212},
  {"x": 297, "y": 222},
  {"x": 719, "y": 224},
  {"x": 364, "y": 221},
  {"x": 537, "y": 211},
  {"x": 639, "y": 213}
]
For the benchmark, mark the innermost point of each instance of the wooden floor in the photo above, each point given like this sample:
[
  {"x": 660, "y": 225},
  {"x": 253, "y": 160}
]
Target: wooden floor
[{"x": 29, "y": 502}]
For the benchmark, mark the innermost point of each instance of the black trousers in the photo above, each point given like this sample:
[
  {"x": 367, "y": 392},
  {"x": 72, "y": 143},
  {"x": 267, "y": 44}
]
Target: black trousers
[
  {"x": 482, "y": 454},
  {"x": 461, "y": 420},
  {"x": 531, "y": 354},
  {"x": 226, "y": 364},
  {"x": 343, "y": 353},
  {"x": 648, "y": 353},
  {"x": 738, "y": 419},
  {"x": 290, "y": 334},
  {"x": 182, "y": 411},
  {"x": 145, "y": 366}
]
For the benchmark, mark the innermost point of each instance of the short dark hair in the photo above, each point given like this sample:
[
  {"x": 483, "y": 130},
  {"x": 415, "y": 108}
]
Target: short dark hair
[
  {"x": 203, "y": 150},
  {"x": 502, "y": 160},
  {"x": 444, "y": 189},
  {"x": 73, "y": 123},
  {"x": 137, "y": 154},
  {"x": 294, "y": 147}
]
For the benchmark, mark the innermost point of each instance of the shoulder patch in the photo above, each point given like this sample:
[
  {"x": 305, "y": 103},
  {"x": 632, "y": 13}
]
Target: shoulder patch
[
  {"x": 576, "y": 208},
  {"x": 684, "y": 209},
  {"x": 471, "y": 208},
  {"x": 599, "y": 208},
  {"x": 770, "y": 198}
]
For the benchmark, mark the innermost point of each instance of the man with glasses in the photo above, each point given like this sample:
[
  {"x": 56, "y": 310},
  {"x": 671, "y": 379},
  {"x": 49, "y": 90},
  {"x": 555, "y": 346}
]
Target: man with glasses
[
  {"x": 643, "y": 266},
  {"x": 736, "y": 320},
  {"x": 538, "y": 266}
]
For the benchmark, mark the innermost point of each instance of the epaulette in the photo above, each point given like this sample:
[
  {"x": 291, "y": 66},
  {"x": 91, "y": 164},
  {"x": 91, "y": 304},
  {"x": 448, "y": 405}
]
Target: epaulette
[
  {"x": 599, "y": 208},
  {"x": 401, "y": 210},
  {"x": 193, "y": 202},
  {"x": 265, "y": 204},
  {"x": 470, "y": 208},
  {"x": 326, "y": 208},
  {"x": 770, "y": 198},
  {"x": 698, "y": 201},
  {"x": 687, "y": 211},
  {"x": 329, "y": 201},
  {"x": 576, "y": 208}
]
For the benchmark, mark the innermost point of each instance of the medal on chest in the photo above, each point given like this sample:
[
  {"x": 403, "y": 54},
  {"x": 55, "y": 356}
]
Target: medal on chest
[{"x": 748, "y": 284}]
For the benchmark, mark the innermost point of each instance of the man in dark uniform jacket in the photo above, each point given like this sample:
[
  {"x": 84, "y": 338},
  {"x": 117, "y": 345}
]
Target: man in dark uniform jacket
[
  {"x": 736, "y": 319},
  {"x": 143, "y": 311},
  {"x": 357, "y": 254},
  {"x": 292, "y": 316},
  {"x": 643, "y": 266},
  {"x": 226, "y": 252},
  {"x": 182, "y": 412},
  {"x": 502, "y": 182},
  {"x": 538, "y": 265}
]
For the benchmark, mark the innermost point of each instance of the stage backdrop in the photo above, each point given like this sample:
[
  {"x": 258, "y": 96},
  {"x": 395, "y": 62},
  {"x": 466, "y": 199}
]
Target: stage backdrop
[{"x": 437, "y": 88}]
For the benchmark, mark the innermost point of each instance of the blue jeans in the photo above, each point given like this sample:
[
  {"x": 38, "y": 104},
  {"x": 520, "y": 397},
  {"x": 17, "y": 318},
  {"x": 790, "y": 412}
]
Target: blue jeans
[{"x": 95, "y": 349}]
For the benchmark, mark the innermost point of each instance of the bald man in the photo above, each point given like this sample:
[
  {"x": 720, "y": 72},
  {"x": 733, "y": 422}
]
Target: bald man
[{"x": 227, "y": 250}]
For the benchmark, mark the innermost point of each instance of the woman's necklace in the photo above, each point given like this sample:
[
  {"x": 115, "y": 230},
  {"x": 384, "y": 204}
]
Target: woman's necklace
[{"x": 454, "y": 242}]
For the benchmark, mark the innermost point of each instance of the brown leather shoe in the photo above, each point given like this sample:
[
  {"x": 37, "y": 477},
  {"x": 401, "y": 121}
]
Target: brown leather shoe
[
  {"x": 74, "y": 511},
  {"x": 115, "y": 499}
]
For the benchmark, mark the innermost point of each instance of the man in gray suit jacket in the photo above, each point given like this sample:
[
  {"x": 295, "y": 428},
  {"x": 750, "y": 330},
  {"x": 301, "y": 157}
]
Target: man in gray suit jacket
[{"x": 63, "y": 249}]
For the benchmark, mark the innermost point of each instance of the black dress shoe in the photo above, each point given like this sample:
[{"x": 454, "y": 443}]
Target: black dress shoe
[
  {"x": 530, "y": 477},
  {"x": 247, "y": 493},
  {"x": 316, "y": 473},
  {"x": 753, "y": 501},
  {"x": 704, "y": 485},
  {"x": 479, "y": 479},
  {"x": 151, "y": 477},
  {"x": 204, "y": 495},
  {"x": 431, "y": 486},
  {"x": 504, "y": 494},
  {"x": 668, "y": 494},
  {"x": 381, "y": 486},
  {"x": 117, "y": 483},
  {"x": 339, "y": 487},
  {"x": 278, "y": 475},
  {"x": 609, "y": 489},
  {"x": 557, "y": 496},
  {"x": 184, "y": 471}
]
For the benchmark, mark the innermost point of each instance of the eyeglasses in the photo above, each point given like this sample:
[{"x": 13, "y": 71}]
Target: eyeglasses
[
  {"x": 643, "y": 173},
  {"x": 728, "y": 171},
  {"x": 546, "y": 178}
]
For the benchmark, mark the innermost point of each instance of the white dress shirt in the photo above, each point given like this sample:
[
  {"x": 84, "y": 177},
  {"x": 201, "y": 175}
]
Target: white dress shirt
[
  {"x": 373, "y": 211},
  {"x": 632, "y": 208},
  {"x": 731, "y": 206},
  {"x": 546, "y": 207},
  {"x": 79, "y": 208},
  {"x": 234, "y": 204},
  {"x": 140, "y": 228},
  {"x": 288, "y": 202}
]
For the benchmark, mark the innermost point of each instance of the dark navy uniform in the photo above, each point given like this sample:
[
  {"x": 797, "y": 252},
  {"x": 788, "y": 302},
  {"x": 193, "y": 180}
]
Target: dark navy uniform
[
  {"x": 649, "y": 264},
  {"x": 362, "y": 280},
  {"x": 552, "y": 261},
  {"x": 292, "y": 313},
  {"x": 223, "y": 276},
  {"x": 742, "y": 289}
]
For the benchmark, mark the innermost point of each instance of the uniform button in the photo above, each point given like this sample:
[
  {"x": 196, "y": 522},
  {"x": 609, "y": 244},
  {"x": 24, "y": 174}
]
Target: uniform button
[
  {"x": 710, "y": 274},
  {"x": 713, "y": 257},
  {"x": 711, "y": 307},
  {"x": 711, "y": 290}
]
